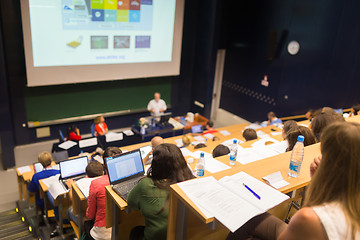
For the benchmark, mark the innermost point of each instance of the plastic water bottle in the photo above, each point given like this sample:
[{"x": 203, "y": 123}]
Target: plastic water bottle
[
  {"x": 200, "y": 166},
  {"x": 153, "y": 122},
  {"x": 297, "y": 157},
  {"x": 233, "y": 153},
  {"x": 142, "y": 130}
]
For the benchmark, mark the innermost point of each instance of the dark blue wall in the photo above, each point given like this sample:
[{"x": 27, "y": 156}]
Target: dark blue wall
[
  {"x": 194, "y": 83},
  {"x": 325, "y": 72}
]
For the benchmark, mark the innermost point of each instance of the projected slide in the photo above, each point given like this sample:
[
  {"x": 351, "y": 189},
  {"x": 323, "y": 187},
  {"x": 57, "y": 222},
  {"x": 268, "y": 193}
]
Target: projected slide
[{"x": 92, "y": 32}]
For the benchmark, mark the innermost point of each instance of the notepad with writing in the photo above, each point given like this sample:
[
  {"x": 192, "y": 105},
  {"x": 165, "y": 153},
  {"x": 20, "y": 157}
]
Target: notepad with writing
[{"x": 229, "y": 201}]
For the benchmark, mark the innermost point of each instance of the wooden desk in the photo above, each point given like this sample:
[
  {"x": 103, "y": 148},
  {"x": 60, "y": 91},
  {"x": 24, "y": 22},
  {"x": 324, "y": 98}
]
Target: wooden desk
[
  {"x": 79, "y": 204},
  {"x": 182, "y": 209},
  {"x": 119, "y": 217},
  {"x": 23, "y": 181},
  {"x": 198, "y": 120},
  {"x": 62, "y": 202}
]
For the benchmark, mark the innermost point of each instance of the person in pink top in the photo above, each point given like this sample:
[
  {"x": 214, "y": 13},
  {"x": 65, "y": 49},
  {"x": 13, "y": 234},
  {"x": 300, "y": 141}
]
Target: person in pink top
[{"x": 94, "y": 223}]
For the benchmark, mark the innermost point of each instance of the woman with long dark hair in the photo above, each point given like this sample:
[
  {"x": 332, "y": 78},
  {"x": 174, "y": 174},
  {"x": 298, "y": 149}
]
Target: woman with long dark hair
[{"x": 151, "y": 194}]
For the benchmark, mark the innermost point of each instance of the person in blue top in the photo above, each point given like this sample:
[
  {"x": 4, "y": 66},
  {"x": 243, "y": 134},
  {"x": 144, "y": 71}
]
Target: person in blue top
[
  {"x": 273, "y": 120},
  {"x": 45, "y": 159}
]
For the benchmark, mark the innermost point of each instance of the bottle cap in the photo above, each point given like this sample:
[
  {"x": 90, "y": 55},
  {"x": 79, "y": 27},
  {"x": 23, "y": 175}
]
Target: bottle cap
[
  {"x": 202, "y": 154},
  {"x": 235, "y": 141},
  {"x": 301, "y": 138}
]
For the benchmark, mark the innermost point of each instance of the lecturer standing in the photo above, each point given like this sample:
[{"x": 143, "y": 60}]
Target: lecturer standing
[{"x": 157, "y": 106}]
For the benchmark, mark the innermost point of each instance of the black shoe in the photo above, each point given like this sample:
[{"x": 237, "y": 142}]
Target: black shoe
[{"x": 54, "y": 233}]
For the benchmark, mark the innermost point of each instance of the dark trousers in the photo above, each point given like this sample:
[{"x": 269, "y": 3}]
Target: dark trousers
[
  {"x": 264, "y": 226},
  {"x": 137, "y": 233},
  {"x": 88, "y": 225}
]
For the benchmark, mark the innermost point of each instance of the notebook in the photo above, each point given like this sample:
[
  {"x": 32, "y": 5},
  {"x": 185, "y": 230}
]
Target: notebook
[{"x": 124, "y": 171}]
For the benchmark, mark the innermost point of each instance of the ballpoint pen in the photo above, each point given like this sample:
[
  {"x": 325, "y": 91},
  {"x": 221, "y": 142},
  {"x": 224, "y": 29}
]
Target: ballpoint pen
[{"x": 254, "y": 193}]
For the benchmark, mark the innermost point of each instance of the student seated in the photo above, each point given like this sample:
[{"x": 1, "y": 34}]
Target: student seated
[
  {"x": 293, "y": 134},
  {"x": 355, "y": 110},
  {"x": 200, "y": 145},
  {"x": 155, "y": 141},
  {"x": 309, "y": 114},
  {"x": 151, "y": 194},
  {"x": 215, "y": 138},
  {"x": 100, "y": 126},
  {"x": 322, "y": 120},
  {"x": 249, "y": 134},
  {"x": 93, "y": 169},
  {"x": 94, "y": 222},
  {"x": 220, "y": 150},
  {"x": 46, "y": 160},
  {"x": 331, "y": 207},
  {"x": 288, "y": 126},
  {"x": 272, "y": 119},
  {"x": 74, "y": 133},
  {"x": 186, "y": 140},
  {"x": 209, "y": 128}
]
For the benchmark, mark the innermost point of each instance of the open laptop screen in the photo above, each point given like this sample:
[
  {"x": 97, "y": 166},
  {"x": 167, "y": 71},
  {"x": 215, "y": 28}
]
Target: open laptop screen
[
  {"x": 124, "y": 166},
  {"x": 73, "y": 167},
  {"x": 196, "y": 129},
  {"x": 145, "y": 151}
]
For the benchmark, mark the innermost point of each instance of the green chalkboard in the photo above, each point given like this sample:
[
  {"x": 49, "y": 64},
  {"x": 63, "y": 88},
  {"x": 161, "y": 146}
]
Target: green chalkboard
[{"x": 74, "y": 100}]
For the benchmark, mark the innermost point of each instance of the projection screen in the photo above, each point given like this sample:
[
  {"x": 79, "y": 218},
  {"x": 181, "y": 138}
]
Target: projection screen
[{"x": 76, "y": 41}]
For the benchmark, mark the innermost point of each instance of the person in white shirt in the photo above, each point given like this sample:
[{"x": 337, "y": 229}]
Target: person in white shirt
[{"x": 156, "y": 106}]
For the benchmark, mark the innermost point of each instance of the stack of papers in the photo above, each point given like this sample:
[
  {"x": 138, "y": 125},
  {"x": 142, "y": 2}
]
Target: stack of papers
[
  {"x": 225, "y": 132},
  {"x": 279, "y": 147},
  {"x": 88, "y": 142},
  {"x": 209, "y": 135},
  {"x": 128, "y": 132},
  {"x": 84, "y": 185},
  {"x": 57, "y": 188},
  {"x": 179, "y": 142},
  {"x": 51, "y": 180},
  {"x": 276, "y": 133},
  {"x": 262, "y": 141},
  {"x": 229, "y": 201},
  {"x": 24, "y": 169},
  {"x": 254, "y": 126},
  {"x": 230, "y": 142},
  {"x": 212, "y": 165},
  {"x": 261, "y": 134},
  {"x": 199, "y": 139},
  {"x": 67, "y": 144},
  {"x": 112, "y": 137},
  {"x": 249, "y": 155},
  {"x": 186, "y": 152}
]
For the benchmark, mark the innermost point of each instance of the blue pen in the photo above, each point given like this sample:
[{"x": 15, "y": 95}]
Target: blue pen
[{"x": 254, "y": 193}]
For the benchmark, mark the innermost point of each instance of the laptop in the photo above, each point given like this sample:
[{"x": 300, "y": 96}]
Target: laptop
[
  {"x": 73, "y": 169},
  {"x": 60, "y": 156},
  {"x": 124, "y": 171},
  {"x": 144, "y": 151},
  {"x": 196, "y": 129},
  {"x": 164, "y": 119}
]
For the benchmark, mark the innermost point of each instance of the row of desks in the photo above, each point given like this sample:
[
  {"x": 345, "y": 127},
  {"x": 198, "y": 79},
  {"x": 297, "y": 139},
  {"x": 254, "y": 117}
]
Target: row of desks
[{"x": 185, "y": 220}]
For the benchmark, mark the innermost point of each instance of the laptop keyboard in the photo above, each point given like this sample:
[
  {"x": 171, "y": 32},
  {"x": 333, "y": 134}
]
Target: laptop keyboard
[{"x": 123, "y": 189}]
